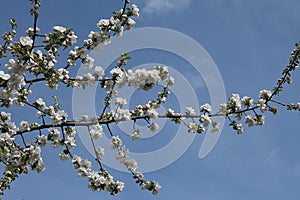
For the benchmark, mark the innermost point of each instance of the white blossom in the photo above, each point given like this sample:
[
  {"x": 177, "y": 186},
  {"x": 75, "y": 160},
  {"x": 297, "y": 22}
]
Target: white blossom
[
  {"x": 170, "y": 112},
  {"x": 153, "y": 127},
  {"x": 40, "y": 103},
  {"x": 98, "y": 72},
  {"x": 190, "y": 111},
  {"x": 99, "y": 151},
  {"x": 89, "y": 79},
  {"x": 42, "y": 140},
  {"x": 136, "y": 134},
  {"x": 122, "y": 115},
  {"x": 26, "y": 41},
  {"x": 115, "y": 142},
  {"x": 25, "y": 125},
  {"x": 171, "y": 81},
  {"x": 84, "y": 118},
  {"x": 4, "y": 76},
  {"x": 205, "y": 108},
  {"x": 120, "y": 101},
  {"x": 96, "y": 132},
  {"x": 247, "y": 101},
  {"x": 152, "y": 113},
  {"x": 236, "y": 100},
  {"x": 130, "y": 24},
  {"x": 265, "y": 94},
  {"x": 135, "y": 10},
  {"x": 192, "y": 127},
  {"x": 215, "y": 127},
  {"x": 72, "y": 38},
  {"x": 131, "y": 164},
  {"x": 63, "y": 156},
  {"x": 239, "y": 128},
  {"x": 122, "y": 155},
  {"x": 60, "y": 29},
  {"x": 88, "y": 62},
  {"x": 16, "y": 82},
  {"x": 262, "y": 104},
  {"x": 103, "y": 23},
  {"x": 250, "y": 120},
  {"x": 205, "y": 119}
]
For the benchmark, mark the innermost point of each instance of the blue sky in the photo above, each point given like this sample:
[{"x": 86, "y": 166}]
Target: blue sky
[{"x": 250, "y": 42}]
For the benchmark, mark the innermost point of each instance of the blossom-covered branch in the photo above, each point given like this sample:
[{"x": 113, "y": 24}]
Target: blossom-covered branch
[{"x": 32, "y": 59}]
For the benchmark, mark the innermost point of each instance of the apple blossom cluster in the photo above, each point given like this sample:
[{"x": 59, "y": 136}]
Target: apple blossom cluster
[
  {"x": 16, "y": 158},
  {"x": 146, "y": 185},
  {"x": 131, "y": 165},
  {"x": 239, "y": 108},
  {"x": 98, "y": 181},
  {"x": 33, "y": 58},
  {"x": 116, "y": 24}
]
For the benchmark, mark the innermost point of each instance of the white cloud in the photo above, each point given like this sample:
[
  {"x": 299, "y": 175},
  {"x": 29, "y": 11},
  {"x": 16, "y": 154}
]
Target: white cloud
[
  {"x": 158, "y": 6},
  {"x": 273, "y": 154}
]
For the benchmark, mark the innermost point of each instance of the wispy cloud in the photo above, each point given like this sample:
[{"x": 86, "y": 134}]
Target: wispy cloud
[
  {"x": 158, "y": 6},
  {"x": 273, "y": 154}
]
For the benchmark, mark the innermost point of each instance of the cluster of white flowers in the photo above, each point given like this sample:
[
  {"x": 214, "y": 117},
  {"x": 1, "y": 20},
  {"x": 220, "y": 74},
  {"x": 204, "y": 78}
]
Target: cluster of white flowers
[
  {"x": 205, "y": 119},
  {"x": 153, "y": 127},
  {"x": 152, "y": 113},
  {"x": 190, "y": 111},
  {"x": 236, "y": 105},
  {"x": 121, "y": 115},
  {"x": 88, "y": 62},
  {"x": 99, "y": 151},
  {"x": 238, "y": 128},
  {"x": 82, "y": 166},
  {"x": 69, "y": 137},
  {"x": 152, "y": 186},
  {"x": 147, "y": 110},
  {"x": 265, "y": 94},
  {"x": 215, "y": 127},
  {"x": 34, "y": 158},
  {"x": 146, "y": 79},
  {"x": 115, "y": 25},
  {"x": 17, "y": 72},
  {"x": 98, "y": 72},
  {"x": 122, "y": 157},
  {"x": 57, "y": 116},
  {"x": 103, "y": 181},
  {"x": 42, "y": 140},
  {"x": 192, "y": 127},
  {"x": 4, "y": 76},
  {"x": 41, "y": 63},
  {"x": 206, "y": 108},
  {"x": 235, "y": 101},
  {"x": 63, "y": 75},
  {"x": 120, "y": 102},
  {"x": 26, "y": 41},
  {"x": 136, "y": 134},
  {"x": 24, "y": 125},
  {"x": 7, "y": 126},
  {"x": 115, "y": 143},
  {"x": 147, "y": 185},
  {"x": 135, "y": 11},
  {"x": 62, "y": 36},
  {"x": 54, "y": 137},
  {"x": 16, "y": 158},
  {"x": 247, "y": 102},
  {"x": 252, "y": 120},
  {"x": 96, "y": 132}
]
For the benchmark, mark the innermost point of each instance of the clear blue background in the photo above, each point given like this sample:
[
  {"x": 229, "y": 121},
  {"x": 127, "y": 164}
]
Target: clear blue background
[{"x": 250, "y": 42}]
